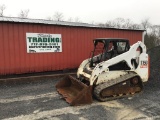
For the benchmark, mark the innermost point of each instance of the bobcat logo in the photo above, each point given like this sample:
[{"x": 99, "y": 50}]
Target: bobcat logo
[{"x": 144, "y": 64}]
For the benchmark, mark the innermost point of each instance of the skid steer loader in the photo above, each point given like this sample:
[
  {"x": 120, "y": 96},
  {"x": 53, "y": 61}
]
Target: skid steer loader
[{"x": 115, "y": 70}]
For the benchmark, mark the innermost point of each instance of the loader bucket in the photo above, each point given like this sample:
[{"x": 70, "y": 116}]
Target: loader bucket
[{"x": 74, "y": 91}]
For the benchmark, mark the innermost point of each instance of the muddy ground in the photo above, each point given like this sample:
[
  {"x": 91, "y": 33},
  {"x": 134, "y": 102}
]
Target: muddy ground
[{"x": 40, "y": 101}]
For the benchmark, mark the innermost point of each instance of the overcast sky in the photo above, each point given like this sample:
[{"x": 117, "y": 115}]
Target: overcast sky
[{"x": 87, "y": 10}]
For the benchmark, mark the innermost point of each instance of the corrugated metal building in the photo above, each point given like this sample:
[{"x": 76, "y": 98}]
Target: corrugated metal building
[{"x": 77, "y": 43}]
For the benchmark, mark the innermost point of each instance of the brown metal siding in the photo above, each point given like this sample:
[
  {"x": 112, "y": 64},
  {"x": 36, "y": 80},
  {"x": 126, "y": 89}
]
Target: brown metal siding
[{"x": 76, "y": 46}]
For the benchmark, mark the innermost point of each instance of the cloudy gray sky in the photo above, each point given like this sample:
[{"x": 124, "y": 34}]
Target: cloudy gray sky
[{"x": 87, "y": 10}]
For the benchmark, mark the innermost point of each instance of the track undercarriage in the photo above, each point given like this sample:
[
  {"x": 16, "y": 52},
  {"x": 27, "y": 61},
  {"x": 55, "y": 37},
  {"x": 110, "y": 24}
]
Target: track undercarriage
[{"x": 124, "y": 86}]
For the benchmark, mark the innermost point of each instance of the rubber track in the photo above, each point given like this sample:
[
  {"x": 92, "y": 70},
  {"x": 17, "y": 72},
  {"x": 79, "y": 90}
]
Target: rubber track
[{"x": 110, "y": 83}]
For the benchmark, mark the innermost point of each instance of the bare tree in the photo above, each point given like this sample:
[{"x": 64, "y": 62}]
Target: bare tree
[
  {"x": 118, "y": 22},
  {"x": 149, "y": 41},
  {"x": 2, "y": 8},
  {"x": 92, "y": 22},
  {"x": 70, "y": 19},
  {"x": 49, "y": 18},
  {"x": 101, "y": 25},
  {"x": 145, "y": 23},
  {"x": 158, "y": 31},
  {"x": 127, "y": 24},
  {"x": 155, "y": 33},
  {"x": 151, "y": 38},
  {"x": 135, "y": 26},
  {"x": 58, "y": 16},
  {"x": 77, "y": 19},
  {"x": 109, "y": 24},
  {"x": 24, "y": 13}
]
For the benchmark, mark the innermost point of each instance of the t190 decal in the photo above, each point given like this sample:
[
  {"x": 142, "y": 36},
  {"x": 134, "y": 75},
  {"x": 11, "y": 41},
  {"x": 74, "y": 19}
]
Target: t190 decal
[{"x": 144, "y": 64}]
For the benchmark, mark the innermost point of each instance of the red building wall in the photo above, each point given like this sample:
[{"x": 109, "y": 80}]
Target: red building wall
[{"x": 77, "y": 43}]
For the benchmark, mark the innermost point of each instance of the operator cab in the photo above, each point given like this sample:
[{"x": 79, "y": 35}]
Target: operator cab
[{"x": 106, "y": 48}]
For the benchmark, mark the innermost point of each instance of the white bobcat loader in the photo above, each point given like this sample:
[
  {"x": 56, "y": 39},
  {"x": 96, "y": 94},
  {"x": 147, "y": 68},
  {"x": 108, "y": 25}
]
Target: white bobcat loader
[{"x": 115, "y": 70}]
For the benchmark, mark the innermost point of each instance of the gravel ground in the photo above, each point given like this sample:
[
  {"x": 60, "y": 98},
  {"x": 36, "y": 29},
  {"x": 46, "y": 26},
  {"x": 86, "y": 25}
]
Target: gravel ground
[{"x": 40, "y": 101}]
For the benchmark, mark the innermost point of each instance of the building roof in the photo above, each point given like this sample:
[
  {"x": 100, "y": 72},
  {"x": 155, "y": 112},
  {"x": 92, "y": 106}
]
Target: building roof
[{"x": 52, "y": 22}]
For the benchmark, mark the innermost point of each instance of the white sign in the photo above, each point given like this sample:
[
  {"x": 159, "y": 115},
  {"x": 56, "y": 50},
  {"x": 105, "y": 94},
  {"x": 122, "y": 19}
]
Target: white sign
[{"x": 43, "y": 42}]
